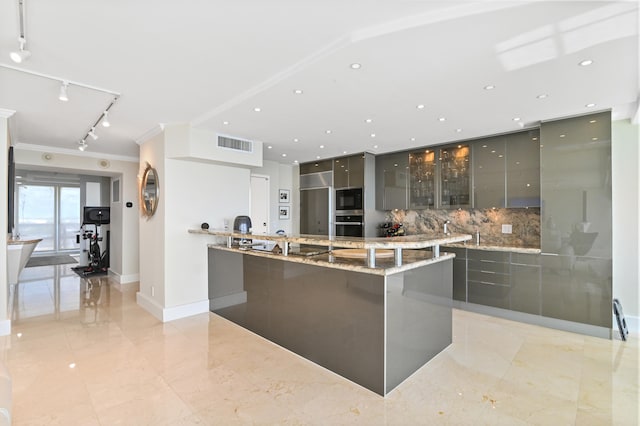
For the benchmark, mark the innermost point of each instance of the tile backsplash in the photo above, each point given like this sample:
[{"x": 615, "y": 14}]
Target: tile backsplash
[{"x": 525, "y": 224}]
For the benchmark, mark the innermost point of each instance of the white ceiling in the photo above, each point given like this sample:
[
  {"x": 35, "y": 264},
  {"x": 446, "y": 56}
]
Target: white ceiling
[{"x": 207, "y": 62}]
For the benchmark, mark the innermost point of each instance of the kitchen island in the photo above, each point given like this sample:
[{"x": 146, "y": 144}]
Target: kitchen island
[{"x": 373, "y": 321}]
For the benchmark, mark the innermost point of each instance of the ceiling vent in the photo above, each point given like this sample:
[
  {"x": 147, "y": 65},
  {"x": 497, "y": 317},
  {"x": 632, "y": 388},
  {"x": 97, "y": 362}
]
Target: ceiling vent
[{"x": 235, "y": 144}]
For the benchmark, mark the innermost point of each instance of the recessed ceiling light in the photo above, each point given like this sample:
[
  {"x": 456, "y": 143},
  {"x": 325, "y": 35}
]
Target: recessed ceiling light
[
  {"x": 257, "y": 109},
  {"x": 516, "y": 118},
  {"x": 375, "y": 146},
  {"x": 225, "y": 123},
  {"x": 590, "y": 105},
  {"x": 413, "y": 139},
  {"x": 284, "y": 155},
  {"x": 542, "y": 96},
  {"x": 458, "y": 130},
  {"x": 585, "y": 63},
  {"x": 368, "y": 120},
  {"x": 344, "y": 152},
  {"x": 442, "y": 119},
  {"x": 355, "y": 66},
  {"x": 269, "y": 147},
  {"x": 328, "y": 132},
  {"x": 295, "y": 161},
  {"x": 317, "y": 158},
  {"x": 420, "y": 106},
  {"x": 298, "y": 92},
  {"x": 321, "y": 146},
  {"x": 489, "y": 87},
  {"x": 295, "y": 139},
  {"x": 373, "y": 135}
]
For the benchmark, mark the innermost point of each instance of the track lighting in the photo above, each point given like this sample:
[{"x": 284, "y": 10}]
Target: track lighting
[
  {"x": 63, "y": 92},
  {"x": 22, "y": 54},
  {"x": 82, "y": 145},
  {"x": 105, "y": 119},
  {"x": 92, "y": 133}
]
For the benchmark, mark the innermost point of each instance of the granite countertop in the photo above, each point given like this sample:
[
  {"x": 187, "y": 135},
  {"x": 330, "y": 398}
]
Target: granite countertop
[
  {"x": 405, "y": 242},
  {"x": 411, "y": 259},
  {"x": 495, "y": 247},
  {"x": 13, "y": 242}
]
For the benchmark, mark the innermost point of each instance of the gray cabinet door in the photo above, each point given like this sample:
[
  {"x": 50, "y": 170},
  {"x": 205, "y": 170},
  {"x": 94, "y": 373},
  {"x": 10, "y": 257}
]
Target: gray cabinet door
[
  {"x": 422, "y": 179},
  {"x": 489, "y": 174},
  {"x": 341, "y": 172},
  {"x": 523, "y": 169},
  {"x": 525, "y": 288},
  {"x": 356, "y": 171},
  {"x": 455, "y": 176},
  {"x": 391, "y": 181},
  {"x": 488, "y": 278}
]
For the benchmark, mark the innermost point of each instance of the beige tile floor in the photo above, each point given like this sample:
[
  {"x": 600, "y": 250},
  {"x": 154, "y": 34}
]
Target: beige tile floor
[{"x": 86, "y": 354}]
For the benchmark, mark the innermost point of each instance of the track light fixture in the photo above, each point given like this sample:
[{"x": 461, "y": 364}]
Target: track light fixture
[
  {"x": 63, "y": 92},
  {"x": 105, "y": 119},
  {"x": 21, "y": 55},
  {"x": 82, "y": 145}
]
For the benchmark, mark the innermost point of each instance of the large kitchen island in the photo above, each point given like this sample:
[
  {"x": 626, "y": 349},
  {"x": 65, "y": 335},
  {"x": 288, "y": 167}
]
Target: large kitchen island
[{"x": 373, "y": 310}]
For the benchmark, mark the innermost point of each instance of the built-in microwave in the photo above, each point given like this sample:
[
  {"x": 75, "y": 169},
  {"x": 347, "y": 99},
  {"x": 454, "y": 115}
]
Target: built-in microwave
[{"x": 349, "y": 199}]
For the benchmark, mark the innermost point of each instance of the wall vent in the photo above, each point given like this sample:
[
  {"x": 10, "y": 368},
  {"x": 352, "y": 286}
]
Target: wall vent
[{"x": 235, "y": 144}]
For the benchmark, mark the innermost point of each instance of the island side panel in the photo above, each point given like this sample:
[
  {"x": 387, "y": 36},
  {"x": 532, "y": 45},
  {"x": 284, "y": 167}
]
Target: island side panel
[
  {"x": 419, "y": 318},
  {"x": 332, "y": 317},
  {"x": 226, "y": 279}
]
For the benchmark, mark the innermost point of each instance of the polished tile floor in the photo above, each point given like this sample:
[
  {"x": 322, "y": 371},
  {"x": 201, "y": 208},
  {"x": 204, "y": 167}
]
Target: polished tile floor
[{"x": 83, "y": 353}]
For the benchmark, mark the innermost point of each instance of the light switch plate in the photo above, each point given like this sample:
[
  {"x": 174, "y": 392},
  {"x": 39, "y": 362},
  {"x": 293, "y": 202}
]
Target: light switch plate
[{"x": 506, "y": 229}]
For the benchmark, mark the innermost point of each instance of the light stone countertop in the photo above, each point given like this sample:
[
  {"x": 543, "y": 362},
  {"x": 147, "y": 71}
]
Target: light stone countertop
[
  {"x": 411, "y": 259},
  {"x": 418, "y": 241},
  {"x": 13, "y": 242},
  {"x": 488, "y": 247}
]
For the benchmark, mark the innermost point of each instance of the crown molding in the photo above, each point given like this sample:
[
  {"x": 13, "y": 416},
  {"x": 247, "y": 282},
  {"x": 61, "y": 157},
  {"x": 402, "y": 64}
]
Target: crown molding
[
  {"x": 6, "y": 113},
  {"x": 154, "y": 131},
  {"x": 75, "y": 152}
]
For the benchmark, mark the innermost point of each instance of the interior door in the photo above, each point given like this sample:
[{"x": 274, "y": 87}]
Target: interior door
[{"x": 260, "y": 204}]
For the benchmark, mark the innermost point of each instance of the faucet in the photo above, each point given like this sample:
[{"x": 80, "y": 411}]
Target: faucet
[
  {"x": 477, "y": 237},
  {"x": 446, "y": 230}
]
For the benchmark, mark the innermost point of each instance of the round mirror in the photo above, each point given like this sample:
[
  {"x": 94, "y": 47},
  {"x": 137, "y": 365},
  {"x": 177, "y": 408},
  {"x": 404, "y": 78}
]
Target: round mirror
[{"x": 149, "y": 191}]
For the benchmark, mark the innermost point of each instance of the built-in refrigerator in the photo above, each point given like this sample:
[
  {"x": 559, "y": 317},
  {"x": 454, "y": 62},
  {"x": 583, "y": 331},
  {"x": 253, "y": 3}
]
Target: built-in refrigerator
[{"x": 315, "y": 211}]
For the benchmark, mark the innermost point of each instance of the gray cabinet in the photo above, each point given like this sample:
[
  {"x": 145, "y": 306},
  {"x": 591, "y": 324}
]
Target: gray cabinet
[
  {"x": 488, "y": 278},
  {"x": 348, "y": 172},
  {"x": 455, "y": 176},
  {"x": 459, "y": 273},
  {"x": 523, "y": 169},
  {"x": 316, "y": 167},
  {"x": 525, "y": 283},
  {"x": 575, "y": 234},
  {"x": 392, "y": 181},
  {"x": 422, "y": 179},
  {"x": 506, "y": 170}
]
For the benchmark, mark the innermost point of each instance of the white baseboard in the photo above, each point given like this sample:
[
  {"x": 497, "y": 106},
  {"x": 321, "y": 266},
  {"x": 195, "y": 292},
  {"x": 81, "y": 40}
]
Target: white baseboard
[
  {"x": 5, "y": 327},
  {"x": 174, "y": 312},
  {"x": 124, "y": 279}
]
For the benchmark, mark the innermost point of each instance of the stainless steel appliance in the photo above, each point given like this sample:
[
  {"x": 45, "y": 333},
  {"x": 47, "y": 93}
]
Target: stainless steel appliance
[
  {"x": 349, "y": 199},
  {"x": 315, "y": 211},
  {"x": 349, "y": 225}
]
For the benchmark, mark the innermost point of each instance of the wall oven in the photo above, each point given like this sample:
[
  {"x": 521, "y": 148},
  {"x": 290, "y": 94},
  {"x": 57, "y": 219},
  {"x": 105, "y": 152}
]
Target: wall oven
[
  {"x": 349, "y": 225},
  {"x": 349, "y": 199}
]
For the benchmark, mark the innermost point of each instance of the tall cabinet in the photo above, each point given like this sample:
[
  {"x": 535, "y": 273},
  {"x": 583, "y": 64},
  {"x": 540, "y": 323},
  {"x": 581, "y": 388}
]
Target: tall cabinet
[{"x": 575, "y": 161}]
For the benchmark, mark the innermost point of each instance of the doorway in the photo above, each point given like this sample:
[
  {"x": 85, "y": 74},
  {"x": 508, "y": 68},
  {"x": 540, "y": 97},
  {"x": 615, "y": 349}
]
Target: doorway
[{"x": 260, "y": 204}]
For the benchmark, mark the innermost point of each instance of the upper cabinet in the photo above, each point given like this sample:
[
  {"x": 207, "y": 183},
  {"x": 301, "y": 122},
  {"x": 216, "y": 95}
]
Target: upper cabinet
[
  {"x": 455, "y": 173},
  {"x": 316, "y": 167},
  {"x": 489, "y": 172},
  {"x": 348, "y": 172},
  {"x": 422, "y": 179},
  {"x": 523, "y": 169},
  {"x": 392, "y": 181}
]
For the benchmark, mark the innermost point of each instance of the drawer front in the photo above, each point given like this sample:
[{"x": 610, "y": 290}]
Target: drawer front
[
  {"x": 488, "y": 295},
  {"x": 487, "y": 255},
  {"x": 525, "y": 259},
  {"x": 488, "y": 266},
  {"x": 488, "y": 277}
]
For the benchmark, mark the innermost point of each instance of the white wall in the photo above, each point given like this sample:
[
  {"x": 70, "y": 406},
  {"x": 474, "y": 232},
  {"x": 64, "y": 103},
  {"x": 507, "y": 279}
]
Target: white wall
[
  {"x": 625, "y": 165},
  {"x": 5, "y": 322},
  {"x": 173, "y": 263},
  {"x": 124, "y": 221},
  {"x": 280, "y": 177}
]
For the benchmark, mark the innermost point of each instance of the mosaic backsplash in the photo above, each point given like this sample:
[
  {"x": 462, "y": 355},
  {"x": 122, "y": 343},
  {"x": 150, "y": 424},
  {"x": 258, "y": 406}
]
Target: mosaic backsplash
[{"x": 525, "y": 224}]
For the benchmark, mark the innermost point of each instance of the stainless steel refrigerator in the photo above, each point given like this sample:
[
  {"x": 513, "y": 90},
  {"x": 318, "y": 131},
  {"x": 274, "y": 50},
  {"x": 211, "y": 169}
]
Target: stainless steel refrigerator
[{"x": 315, "y": 211}]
